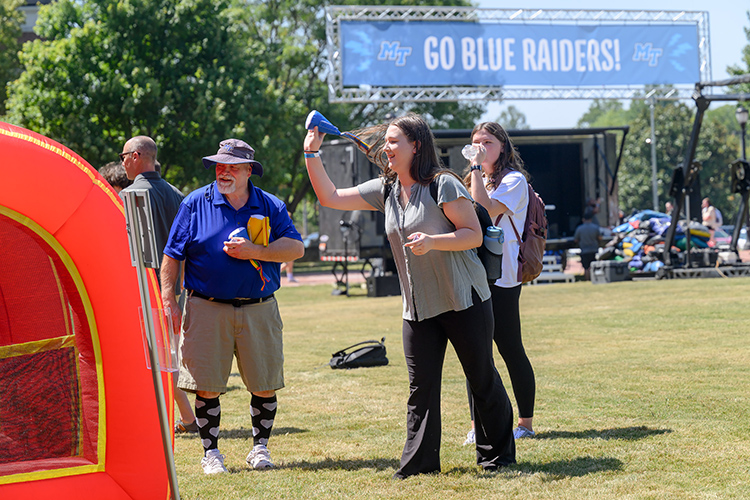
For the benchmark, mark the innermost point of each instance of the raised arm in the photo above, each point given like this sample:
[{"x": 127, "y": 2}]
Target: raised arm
[{"x": 327, "y": 193}]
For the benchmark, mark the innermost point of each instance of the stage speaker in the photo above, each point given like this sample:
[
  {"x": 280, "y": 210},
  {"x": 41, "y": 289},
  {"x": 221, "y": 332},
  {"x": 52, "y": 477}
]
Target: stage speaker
[{"x": 382, "y": 286}]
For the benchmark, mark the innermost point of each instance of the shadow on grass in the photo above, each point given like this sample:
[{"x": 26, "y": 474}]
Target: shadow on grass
[
  {"x": 378, "y": 464},
  {"x": 558, "y": 469},
  {"x": 247, "y": 434},
  {"x": 281, "y": 431},
  {"x": 353, "y": 294},
  {"x": 625, "y": 433},
  {"x": 243, "y": 433},
  {"x": 575, "y": 467}
]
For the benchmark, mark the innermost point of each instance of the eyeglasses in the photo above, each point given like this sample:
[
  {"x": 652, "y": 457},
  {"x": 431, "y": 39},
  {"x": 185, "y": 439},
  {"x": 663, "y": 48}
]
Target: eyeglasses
[{"x": 122, "y": 155}]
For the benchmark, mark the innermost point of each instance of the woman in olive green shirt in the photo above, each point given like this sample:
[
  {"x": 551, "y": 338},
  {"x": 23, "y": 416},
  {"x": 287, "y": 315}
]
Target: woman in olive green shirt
[{"x": 443, "y": 286}]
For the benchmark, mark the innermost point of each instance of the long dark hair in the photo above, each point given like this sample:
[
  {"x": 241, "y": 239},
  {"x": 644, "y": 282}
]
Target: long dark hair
[
  {"x": 426, "y": 164},
  {"x": 508, "y": 159}
]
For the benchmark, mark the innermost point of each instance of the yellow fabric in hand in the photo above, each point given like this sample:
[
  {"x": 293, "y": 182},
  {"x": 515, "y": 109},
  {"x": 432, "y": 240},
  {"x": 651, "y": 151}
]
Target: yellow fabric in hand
[{"x": 259, "y": 229}]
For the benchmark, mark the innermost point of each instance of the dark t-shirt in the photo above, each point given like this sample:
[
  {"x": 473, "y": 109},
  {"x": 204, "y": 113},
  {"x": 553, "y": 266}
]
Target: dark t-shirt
[
  {"x": 165, "y": 200},
  {"x": 587, "y": 237}
]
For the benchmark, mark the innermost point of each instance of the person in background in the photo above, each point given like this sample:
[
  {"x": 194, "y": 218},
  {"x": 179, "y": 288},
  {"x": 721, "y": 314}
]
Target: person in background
[
  {"x": 139, "y": 160},
  {"x": 710, "y": 218},
  {"x": 669, "y": 208},
  {"x": 586, "y": 236},
  {"x": 231, "y": 309},
  {"x": 114, "y": 173},
  {"x": 443, "y": 285},
  {"x": 499, "y": 182},
  {"x": 594, "y": 204}
]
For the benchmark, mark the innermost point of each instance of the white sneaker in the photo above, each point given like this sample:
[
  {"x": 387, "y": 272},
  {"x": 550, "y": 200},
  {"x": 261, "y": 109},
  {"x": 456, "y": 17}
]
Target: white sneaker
[
  {"x": 213, "y": 462},
  {"x": 259, "y": 458},
  {"x": 470, "y": 438}
]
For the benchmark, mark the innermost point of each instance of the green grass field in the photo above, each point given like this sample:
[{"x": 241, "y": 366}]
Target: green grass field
[{"x": 642, "y": 393}]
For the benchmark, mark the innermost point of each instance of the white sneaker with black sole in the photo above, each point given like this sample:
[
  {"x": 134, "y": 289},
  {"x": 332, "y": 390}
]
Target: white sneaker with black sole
[
  {"x": 213, "y": 462},
  {"x": 259, "y": 458},
  {"x": 470, "y": 438}
]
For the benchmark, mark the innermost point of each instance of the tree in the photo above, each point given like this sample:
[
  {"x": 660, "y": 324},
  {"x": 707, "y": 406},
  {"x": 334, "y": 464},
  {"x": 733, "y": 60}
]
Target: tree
[
  {"x": 673, "y": 124},
  {"x": 294, "y": 64},
  {"x": 513, "y": 119},
  {"x": 107, "y": 71},
  {"x": 718, "y": 147},
  {"x": 602, "y": 111},
  {"x": 744, "y": 68},
  {"x": 672, "y": 128},
  {"x": 190, "y": 73},
  {"x": 725, "y": 116},
  {"x": 11, "y": 19}
]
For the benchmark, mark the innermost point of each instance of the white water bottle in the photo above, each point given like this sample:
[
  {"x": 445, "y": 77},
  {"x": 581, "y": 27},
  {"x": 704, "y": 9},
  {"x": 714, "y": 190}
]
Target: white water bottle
[{"x": 469, "y": 151}]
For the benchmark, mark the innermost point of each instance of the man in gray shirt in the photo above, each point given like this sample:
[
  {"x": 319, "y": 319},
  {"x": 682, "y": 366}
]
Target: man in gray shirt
[
  {"x": 587, "y": 238},
  {"x": 139, "y": 159}
]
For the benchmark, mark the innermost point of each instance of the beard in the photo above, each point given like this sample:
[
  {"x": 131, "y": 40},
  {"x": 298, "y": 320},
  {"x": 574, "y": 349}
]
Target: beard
[{"x": 227, "y": 186}]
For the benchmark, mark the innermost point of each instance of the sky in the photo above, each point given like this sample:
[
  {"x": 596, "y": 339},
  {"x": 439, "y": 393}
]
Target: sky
[{"x": 726, "y": 20}]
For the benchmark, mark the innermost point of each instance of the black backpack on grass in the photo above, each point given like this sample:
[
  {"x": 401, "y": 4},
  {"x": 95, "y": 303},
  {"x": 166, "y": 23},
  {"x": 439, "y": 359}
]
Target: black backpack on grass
[{"x": 372, "y": 353}]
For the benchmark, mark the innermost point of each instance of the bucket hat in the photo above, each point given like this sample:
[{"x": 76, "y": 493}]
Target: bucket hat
[{"x": 234, "y": 152}]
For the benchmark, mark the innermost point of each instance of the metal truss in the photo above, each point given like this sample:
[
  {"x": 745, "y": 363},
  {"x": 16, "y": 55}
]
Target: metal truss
[
  {"x": 436, "y": 94},
  {"x": 338, "y": 93},
  {"x": 736, "y": 271}
]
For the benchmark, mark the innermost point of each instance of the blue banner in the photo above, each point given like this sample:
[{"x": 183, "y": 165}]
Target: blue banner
[{"x": 401, "y": 54}]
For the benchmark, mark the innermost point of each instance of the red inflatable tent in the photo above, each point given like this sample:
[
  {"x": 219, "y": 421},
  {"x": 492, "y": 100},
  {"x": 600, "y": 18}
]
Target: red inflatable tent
[{"x": 78, "y": 414}]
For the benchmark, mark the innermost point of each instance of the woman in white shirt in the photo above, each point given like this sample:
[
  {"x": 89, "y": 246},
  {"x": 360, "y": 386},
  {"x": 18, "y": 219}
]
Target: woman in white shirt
[{"x": 498, "y": 181}]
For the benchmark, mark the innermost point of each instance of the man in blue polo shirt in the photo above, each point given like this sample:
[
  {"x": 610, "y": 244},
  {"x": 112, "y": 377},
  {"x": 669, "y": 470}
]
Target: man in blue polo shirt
[{"x": 231, "y": 309}]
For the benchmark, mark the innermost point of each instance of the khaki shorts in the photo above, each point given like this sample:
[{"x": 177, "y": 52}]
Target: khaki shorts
[{"x": 213, "y": 333}]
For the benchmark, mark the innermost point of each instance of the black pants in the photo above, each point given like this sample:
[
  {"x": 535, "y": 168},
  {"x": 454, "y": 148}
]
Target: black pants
[
  {"x": 587, "y": 259},
  {"x": 470, "y": 333},
  {"x": 508, "y": 340}
]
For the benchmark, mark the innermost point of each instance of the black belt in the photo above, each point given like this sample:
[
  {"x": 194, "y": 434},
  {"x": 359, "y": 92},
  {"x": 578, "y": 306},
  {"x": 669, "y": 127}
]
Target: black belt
[{"x": 234, "y": 302}]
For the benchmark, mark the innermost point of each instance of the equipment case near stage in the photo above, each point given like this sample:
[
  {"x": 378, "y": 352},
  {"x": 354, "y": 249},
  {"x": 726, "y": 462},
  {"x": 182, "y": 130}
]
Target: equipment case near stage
[
  {"x": 382, "y": 286},
  {"x": 609, "y": 271}
]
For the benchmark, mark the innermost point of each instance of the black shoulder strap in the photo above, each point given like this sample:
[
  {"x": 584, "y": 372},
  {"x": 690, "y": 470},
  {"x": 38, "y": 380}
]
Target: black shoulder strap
[
  {"x": 387, "y": 188},
  {"x": 343, "y": 351},
  {"x": 434, "y": 189}
]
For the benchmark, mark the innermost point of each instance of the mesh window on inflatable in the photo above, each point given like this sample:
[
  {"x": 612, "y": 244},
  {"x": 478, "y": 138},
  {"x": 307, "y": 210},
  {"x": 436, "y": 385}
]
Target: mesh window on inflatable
[{"x": 49, "y": 403}]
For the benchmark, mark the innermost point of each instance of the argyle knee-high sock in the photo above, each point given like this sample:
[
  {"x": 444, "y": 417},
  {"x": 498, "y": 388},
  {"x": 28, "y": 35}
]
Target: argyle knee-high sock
[
  {"x": 263, "y": 411},
  {"x": 208, "y": 416}
]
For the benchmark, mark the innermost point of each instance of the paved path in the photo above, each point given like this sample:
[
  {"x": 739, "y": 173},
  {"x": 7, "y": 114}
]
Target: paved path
[
  {"x": 355, "y": 277},
  {"x": 326, "y": 278}
]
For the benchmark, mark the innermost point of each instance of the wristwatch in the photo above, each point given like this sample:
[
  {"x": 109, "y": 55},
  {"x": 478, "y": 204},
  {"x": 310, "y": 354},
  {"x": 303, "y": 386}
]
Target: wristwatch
[{"x": 476, "y": 167}]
